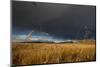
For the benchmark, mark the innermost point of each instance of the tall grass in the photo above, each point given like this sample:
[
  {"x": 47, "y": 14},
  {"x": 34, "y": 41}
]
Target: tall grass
[{"x": 47, "y": 53}]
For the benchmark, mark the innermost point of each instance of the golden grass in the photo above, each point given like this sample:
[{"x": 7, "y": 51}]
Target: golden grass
[{"x": 47, "y": 53}]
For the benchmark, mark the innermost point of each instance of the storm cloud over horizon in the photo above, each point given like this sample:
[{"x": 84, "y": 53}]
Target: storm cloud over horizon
[{"x": 58, "y": 20}]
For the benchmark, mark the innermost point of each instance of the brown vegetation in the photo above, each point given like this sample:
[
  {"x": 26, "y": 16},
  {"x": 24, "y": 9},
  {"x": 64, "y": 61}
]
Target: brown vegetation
[{"x": 47, "y": 53}]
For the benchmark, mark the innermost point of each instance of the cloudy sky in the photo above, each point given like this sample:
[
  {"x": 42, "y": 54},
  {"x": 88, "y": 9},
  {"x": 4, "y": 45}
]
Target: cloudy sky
[{"x": 57, "y": 20}]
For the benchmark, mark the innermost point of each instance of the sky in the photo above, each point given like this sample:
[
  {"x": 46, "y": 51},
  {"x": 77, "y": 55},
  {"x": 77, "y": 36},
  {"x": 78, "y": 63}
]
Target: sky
[{"x": 64, "y": 21}]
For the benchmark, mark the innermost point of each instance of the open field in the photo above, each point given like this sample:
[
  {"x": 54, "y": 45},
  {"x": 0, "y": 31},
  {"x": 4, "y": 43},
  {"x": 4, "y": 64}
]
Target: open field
[{"x": 47, "y": 53}]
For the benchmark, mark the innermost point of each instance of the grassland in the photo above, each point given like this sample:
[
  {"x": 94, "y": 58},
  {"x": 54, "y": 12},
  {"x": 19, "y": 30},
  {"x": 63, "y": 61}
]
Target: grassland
[{"x": 48, "y": 53}]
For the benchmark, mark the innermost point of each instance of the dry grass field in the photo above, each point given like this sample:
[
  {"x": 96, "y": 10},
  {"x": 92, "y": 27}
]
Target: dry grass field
[{"x": 48, "y": 53}]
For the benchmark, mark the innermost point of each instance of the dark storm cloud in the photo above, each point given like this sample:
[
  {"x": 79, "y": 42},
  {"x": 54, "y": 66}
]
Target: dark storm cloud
[{"x": 55, "y": 19}]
